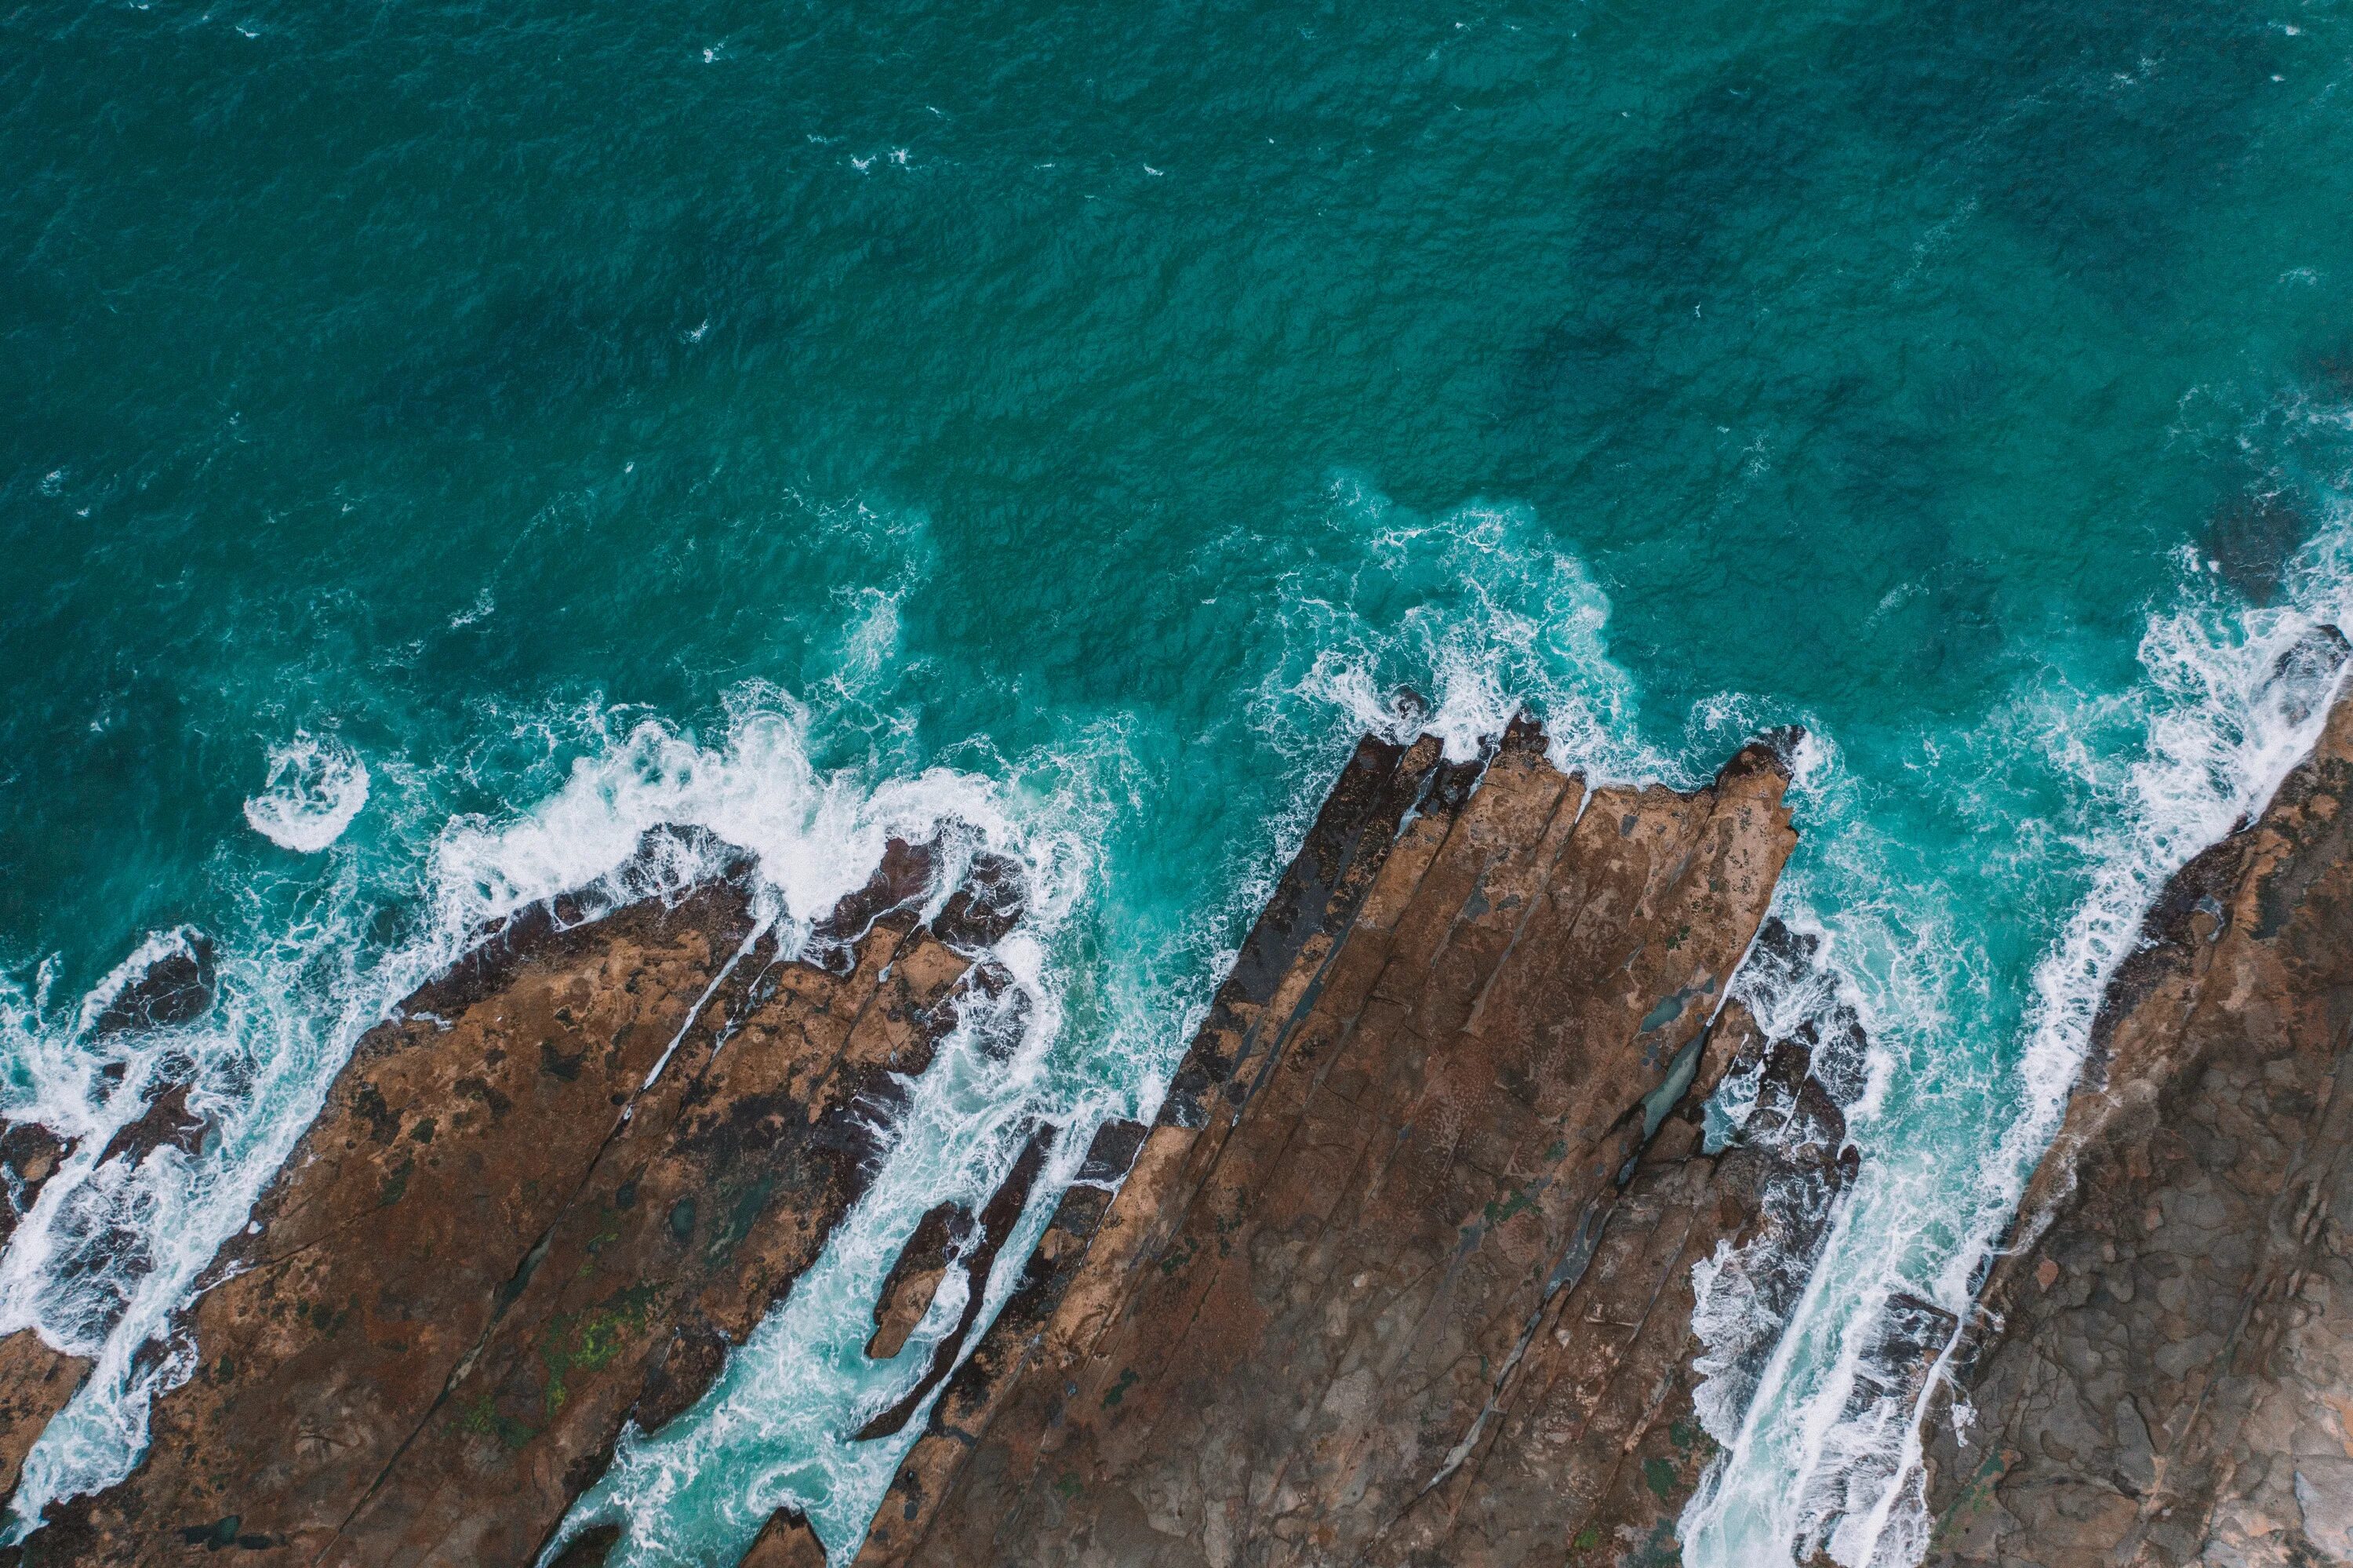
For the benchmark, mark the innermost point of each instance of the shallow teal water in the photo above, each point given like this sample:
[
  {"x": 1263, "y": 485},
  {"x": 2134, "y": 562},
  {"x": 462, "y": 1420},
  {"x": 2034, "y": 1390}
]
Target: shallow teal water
[{"x": 1110, "y": 407}]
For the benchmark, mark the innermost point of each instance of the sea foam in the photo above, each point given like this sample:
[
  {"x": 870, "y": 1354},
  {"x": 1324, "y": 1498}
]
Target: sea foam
[{"x": 316, "y": 785}]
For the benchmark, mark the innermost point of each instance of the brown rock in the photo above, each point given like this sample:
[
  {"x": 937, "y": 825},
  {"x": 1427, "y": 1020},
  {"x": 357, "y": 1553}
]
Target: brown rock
[
  {"x": 915, "y": 1278},
  {"x": 2163, "y": 1370},
  {"x": 35, "y": 1383},
  {"x": 787, "y": 1542},
  {"x": 547, "y": 1198},
  {"x": 1406, "y": 1256}
]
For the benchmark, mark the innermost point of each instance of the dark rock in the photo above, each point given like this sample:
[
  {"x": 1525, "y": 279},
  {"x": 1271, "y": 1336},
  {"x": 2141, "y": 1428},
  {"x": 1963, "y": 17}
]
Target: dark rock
[
  {"x": 979, "y": 914},
  {"x": 2253, "y": 538},
  {"x": 997, "y": 1218},
  {"x": 166, "y": 1120},
  {"x": 1112, "y": 1153},
  {"x": 589, "y": 1548},
  {"x": 903, "y": 880},
  {"x": 29, "y": 1155},
  {"x": 177, "y": 988},
  {"x": 787, "y": 1542},
  {"x": 939, "y": 1239}
]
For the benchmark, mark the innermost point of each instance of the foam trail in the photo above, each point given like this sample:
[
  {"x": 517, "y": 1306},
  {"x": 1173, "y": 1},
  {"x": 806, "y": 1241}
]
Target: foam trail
[
  {"x": 315, "y": 787},
  {"x": 112, "y": 1252},
  {"x": 1825, "y": 1455}
]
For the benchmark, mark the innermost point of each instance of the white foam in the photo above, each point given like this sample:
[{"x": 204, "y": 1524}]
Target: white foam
[
  {"x": 315, "y": 787},
  {"x": 1816, "y": 1459},
  {"x": 1475, "y": 610}
]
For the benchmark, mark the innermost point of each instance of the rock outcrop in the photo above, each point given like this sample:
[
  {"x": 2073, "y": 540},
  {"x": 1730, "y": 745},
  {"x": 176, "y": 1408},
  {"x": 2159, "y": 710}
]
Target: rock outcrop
[
  {"x": 545, "y": 1198},
  {"x": 1403, "y": 1273},
  {"x": 2163, "y": 1370},
  {"x": 35, "y": 1383}
]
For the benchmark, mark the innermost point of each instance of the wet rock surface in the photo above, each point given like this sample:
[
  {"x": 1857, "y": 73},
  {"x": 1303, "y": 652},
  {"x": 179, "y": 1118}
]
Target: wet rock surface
[
  {"x": 177, "y": 988},
  {"x": 1403, "y": 1273},
  {"x": 2163, "y": 1372},
  {"x": 939, "y": 1239},
  {"x": 546, "y": 1198}
]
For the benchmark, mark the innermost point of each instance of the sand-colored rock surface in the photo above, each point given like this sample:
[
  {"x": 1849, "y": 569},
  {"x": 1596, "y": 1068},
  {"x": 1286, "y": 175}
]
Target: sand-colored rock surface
[{"x": 35, "y": 1383}]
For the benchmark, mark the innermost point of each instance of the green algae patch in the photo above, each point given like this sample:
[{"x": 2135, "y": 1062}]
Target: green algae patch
[{"x": 587, "y": 1341}]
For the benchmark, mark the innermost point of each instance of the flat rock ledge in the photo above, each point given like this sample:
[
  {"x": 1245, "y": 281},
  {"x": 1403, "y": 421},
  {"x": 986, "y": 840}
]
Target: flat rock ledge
[
  {"x": 2162, "y": 1371},
  {"x": 1402, "y": 1274}
]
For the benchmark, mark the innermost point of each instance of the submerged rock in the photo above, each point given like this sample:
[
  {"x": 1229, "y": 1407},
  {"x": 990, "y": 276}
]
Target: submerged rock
[
  {"x": 1403, "y": 1273},
  {"x": 2162, "y": 1369},
  {"x": 177, "y": 988}
]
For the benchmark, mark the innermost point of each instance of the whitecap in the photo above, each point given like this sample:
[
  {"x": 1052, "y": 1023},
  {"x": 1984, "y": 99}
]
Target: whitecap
[{"x": 316, "y": 785}]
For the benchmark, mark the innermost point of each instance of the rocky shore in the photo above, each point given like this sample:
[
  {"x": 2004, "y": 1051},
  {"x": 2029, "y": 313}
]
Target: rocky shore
[
  {"x": 2162, "y": 1369},
  {"x": 546, "y": 1198},
  {"x": 1403, "y": 1274}
]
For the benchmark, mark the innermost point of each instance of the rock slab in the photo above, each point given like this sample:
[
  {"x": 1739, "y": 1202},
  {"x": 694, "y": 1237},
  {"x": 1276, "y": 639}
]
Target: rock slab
[
  {"x": 1403, "y": 1273},
  {"x": 544, "y": 1199}
]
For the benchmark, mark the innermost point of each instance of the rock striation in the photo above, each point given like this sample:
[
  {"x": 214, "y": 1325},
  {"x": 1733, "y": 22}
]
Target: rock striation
[
  {"x": 2162, "y": 1369},
  {"x": 1403, "y": 1273}
]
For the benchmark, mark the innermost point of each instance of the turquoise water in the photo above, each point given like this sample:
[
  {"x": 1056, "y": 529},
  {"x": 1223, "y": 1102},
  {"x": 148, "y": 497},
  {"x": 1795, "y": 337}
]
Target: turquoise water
[{"x": 435, "y": 440}]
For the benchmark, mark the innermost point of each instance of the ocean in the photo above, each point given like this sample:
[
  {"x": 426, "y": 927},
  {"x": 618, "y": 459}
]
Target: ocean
[{"x": 437, "y": 442}]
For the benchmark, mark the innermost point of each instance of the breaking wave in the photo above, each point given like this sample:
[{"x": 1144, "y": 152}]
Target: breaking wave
[
  {"x": 315, "y": 787},
  {"x": 1405, "y": 624}
]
